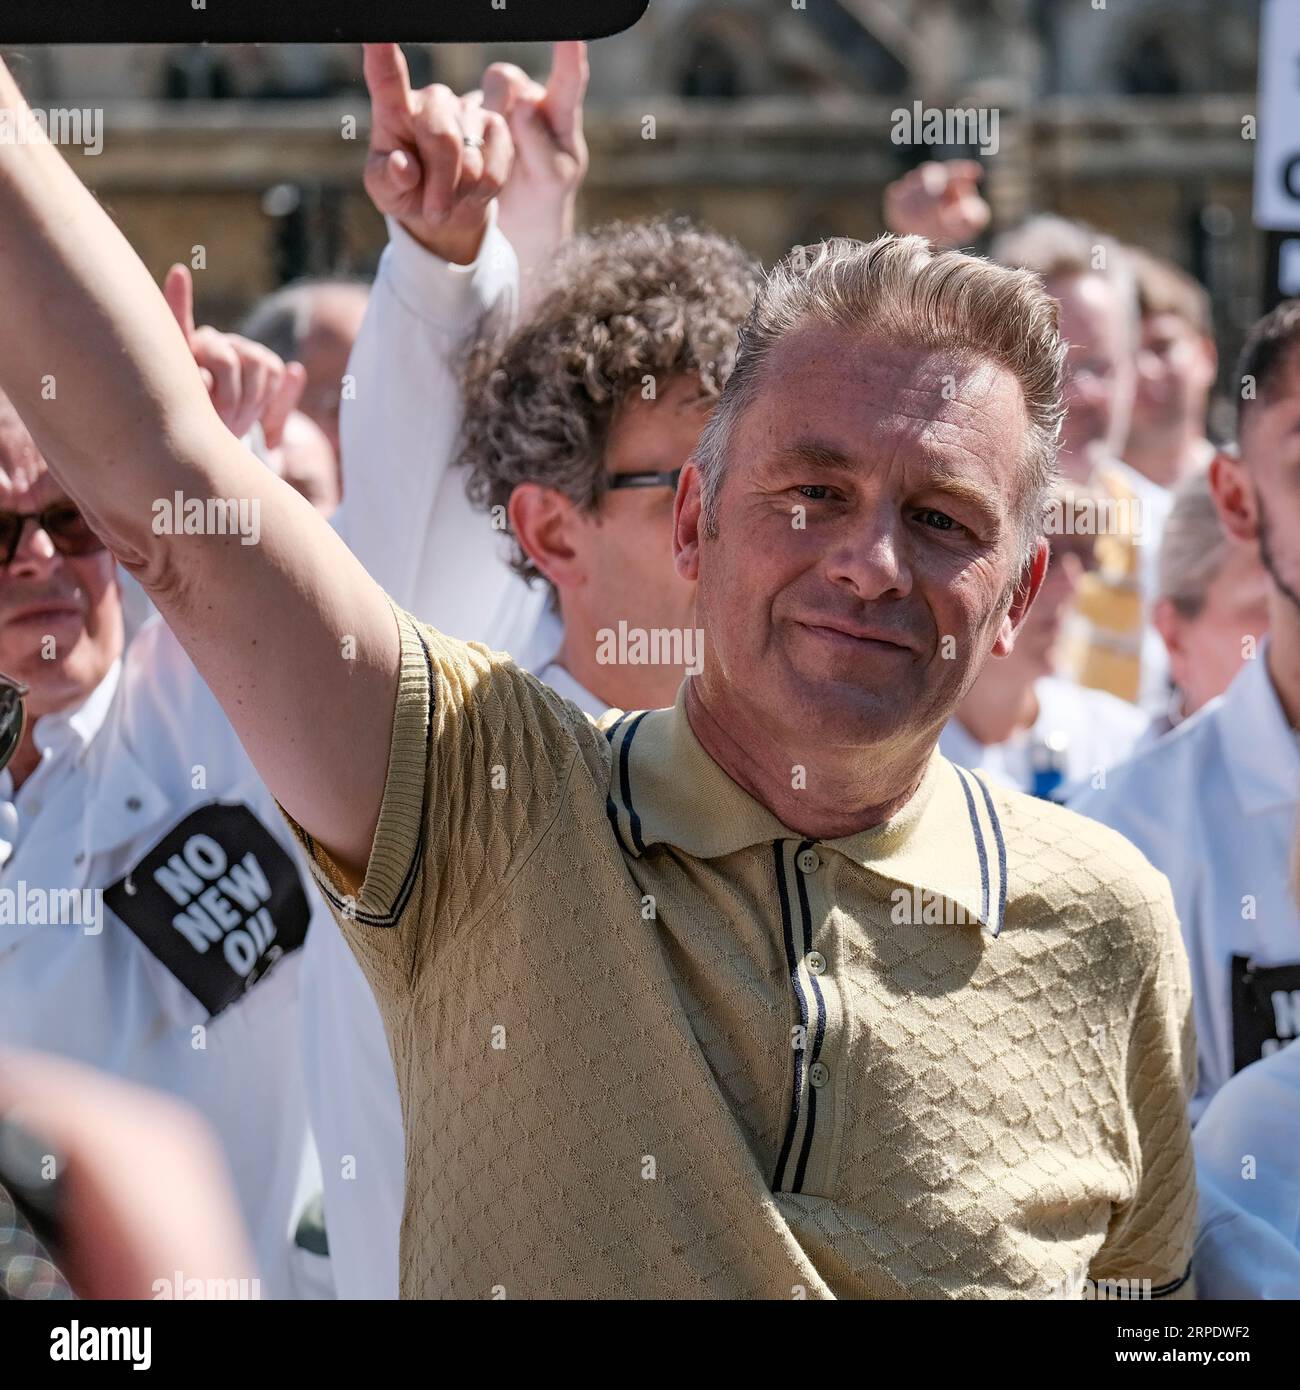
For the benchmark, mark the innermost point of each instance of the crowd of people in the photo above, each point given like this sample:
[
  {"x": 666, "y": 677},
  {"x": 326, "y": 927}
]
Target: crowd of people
[{"x": 705, "y": 782}]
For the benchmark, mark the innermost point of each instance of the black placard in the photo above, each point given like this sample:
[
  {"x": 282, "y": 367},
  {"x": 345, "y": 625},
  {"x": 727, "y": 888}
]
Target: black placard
[
  {"x": 1265, "y": 1009},
  {"x": 314, "y": 21},
  {"x": 217, "y": 900}
]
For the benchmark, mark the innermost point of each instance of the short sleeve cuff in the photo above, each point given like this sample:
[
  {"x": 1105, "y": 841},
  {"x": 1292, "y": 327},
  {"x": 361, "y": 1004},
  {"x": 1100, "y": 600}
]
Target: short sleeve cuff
[{"x": 394, "y": 854}]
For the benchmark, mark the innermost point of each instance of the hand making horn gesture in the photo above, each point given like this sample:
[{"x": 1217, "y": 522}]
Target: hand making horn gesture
[
  {"x": 551, "y": 159},
  {"x": 436, "y": 160}
]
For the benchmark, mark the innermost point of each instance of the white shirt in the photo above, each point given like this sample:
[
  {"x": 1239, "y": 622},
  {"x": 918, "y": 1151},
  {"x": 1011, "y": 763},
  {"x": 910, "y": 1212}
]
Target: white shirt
[
  {"x": 1213, "y": 806},
  {"x": 1248, "y": 1175},
  {"x": 406, "y": 517},
  {"x": 1077, "y": 733},
  {"x": 144, "y": 812},
  {"x": 543, "y": 661}
]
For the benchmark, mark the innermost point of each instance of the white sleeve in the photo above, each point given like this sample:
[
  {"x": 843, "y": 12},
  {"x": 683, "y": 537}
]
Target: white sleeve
[{"x": 401, "y": 409}]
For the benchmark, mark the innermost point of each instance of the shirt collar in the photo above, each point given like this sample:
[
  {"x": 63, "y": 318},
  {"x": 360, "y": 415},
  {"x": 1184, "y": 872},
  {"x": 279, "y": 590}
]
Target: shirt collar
[
  {"x": 1259, "y": 745},
  {"x": 75, "y": 729},
  {"x": 665, "y": 789}
]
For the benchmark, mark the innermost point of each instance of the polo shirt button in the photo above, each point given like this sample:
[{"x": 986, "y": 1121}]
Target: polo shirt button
[
  {"x": 809, "y": 861},
  {"x": 819, "y": 1073},
  {"x": 816, "y": 962}
]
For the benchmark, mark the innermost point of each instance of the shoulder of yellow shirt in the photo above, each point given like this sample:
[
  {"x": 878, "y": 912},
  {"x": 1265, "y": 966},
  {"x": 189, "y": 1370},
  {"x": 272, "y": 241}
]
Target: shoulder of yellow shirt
[{"x": 1066, "y": 860}]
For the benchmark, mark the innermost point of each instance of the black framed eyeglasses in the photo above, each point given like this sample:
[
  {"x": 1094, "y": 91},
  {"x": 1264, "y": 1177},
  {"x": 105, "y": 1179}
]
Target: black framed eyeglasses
[
  {"x": 13, "y": 717},
  {"x": 669, "y": 479},
  {"x": 67, "y": 529}
]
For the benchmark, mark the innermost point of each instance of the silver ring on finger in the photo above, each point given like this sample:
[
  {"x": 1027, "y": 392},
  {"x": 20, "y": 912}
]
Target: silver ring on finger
[{"x": 472, "y": 142}]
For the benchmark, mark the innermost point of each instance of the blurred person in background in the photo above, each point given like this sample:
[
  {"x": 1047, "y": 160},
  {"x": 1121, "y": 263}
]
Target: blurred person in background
[
  {"x": 314, "y": 322},
  {"x": 152, "y": 903},
  {"x": 1176, "y": 369},
  {"x": 306, "y": 460},
  {"x": 1113, "y": 646},
  {"x": 1248, "y": 1174},
  {"x": 1213, "y": 804},
  {"x": 1022, "y": 722},
  {"x": 1212, "y": 604}
]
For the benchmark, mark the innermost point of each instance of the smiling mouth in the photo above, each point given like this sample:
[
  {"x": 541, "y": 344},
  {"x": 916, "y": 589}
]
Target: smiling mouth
[{"x": 853, "y": 640}]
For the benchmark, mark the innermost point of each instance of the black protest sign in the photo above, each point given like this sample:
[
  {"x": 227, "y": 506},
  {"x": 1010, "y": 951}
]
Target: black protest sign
[
  {"x": 1265, "y": 1009},
  {"x": 217, "y": 900}
]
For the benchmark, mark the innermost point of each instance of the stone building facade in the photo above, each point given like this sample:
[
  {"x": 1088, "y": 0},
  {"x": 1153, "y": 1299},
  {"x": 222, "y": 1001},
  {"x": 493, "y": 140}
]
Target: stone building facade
[{"x": 769, "y": 119}]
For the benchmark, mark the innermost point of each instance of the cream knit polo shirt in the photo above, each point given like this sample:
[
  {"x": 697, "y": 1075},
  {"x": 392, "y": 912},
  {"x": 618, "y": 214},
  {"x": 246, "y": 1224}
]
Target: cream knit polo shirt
[{"x": 652, "y": 1043}]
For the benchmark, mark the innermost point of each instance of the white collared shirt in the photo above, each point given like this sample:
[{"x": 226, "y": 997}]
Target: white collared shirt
[
  {"x": 62, "y": 740},
  {"x": 542, "y": 658},
  {"x": 1077, "y": 733},
  {"x": 93, "y": 965},
  {"x": 1213, "y": 806}
]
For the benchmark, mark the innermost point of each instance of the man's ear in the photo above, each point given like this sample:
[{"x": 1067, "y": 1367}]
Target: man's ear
[
  {"x": 1164, "y": 618},
  {"x": 543, "y": 522},
  {"x": 1022, "y": 596},
  {"x": 688, "y": 508},
  {"x": 1234, "y": 496}
]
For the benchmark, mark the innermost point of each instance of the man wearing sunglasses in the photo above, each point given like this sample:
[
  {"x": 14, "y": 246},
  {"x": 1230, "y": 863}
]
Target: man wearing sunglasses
[{"x": 152, "y": 906}]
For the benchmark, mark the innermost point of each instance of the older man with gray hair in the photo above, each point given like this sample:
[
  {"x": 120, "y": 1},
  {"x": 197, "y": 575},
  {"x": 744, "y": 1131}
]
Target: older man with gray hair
[{"x": 754, "y": 996}]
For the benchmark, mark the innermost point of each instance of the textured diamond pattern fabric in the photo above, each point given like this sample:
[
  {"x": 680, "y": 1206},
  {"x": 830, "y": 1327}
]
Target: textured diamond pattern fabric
[{"x": 649, "y": 1046}]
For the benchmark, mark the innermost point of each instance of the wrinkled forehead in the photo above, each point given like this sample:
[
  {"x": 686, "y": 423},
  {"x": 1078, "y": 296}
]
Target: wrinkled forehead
[
  {"x": 24, "y": 478},
  {"x": 938, "y": 402}
]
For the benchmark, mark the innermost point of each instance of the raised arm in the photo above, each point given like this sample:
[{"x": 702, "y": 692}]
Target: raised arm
[
  {"x": 295, "y": 639},
  {"x": 539, "y": 201},
  {"x": 438, "y": 279}
]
